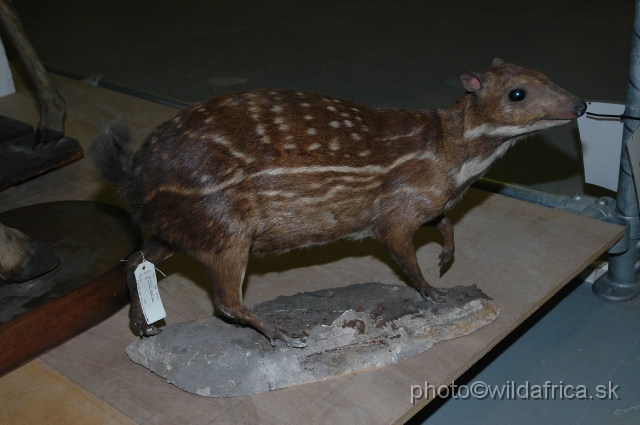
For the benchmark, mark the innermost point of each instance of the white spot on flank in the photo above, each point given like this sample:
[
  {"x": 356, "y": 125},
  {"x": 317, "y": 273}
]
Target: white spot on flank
[
  {"x": 314, "y": 146},
  {"x": 290, "y": 146},
  {"x": 273, "y": 93},
  {"x": 364, "y": 128},
  {"x": 344, "y": 114},
  {"x": 334, "y": 146},
  {"x": 311, "y": 131},
  {"x": 355, "y": 109},
  {"x": 308, "y": 117},
  {"x": 355, "y": 136},
  {"x": 284, "y": 127},
  {"x": 278, "y": 120},
  {"x": 237, "y": 177},
  {"x": 331, "y": 108},
  {"x": 289, "y": 138},
  {"x": 306, "y": 105},
  {"x": 365, "y": 153},
  {"x": 359, "y": 118},
  {"x": 334, "y": 124},
  {"x": 224, "y": 142},
  {"x": 400, "y": 136},
  {"x": 348, "y": 123},
  {"x": 255, "y": 116},
  {"x": 220, "y": 140},
  {"x": 253, "y": 109},
  {"x": 336, "y": 101},
  {"x": 208, "y": 120},
  {"x": 299, "y": 93},
  {"x": 276, "y": 108},
  {"x": 260, "y": 130}
]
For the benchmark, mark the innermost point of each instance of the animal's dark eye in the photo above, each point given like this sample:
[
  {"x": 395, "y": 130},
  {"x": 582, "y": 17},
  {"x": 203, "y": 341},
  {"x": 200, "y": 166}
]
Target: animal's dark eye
[{"x": 517, "y": 95}]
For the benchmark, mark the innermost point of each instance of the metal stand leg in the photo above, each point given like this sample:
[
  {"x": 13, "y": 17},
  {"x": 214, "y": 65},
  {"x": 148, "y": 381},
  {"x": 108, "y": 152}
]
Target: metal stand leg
[{"x": 621, "y": 281}]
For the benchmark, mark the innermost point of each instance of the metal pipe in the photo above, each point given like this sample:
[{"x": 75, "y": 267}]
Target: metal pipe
[
  {"x": 100, "y": 81},
  {"x": 621, "y": 282}
]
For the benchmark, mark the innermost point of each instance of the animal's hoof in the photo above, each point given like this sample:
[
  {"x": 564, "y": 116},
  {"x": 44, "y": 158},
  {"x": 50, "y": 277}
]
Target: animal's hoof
[
  {"x": 145, "y": 330},
  {"x": 438, "y": 300},
  {"x": 298, "y": 343},
  {"x": 434, "y": 296},
  {"x": 441, "y": 291},
  {"x": 152, "y": 330},
  {"x": 445, "y": 260},
  {"x": 291, "y": 341}
]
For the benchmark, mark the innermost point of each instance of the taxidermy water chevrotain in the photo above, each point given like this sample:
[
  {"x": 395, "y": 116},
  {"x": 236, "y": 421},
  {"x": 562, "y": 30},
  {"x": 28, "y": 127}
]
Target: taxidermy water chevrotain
[{"x": 273, "y": 170}]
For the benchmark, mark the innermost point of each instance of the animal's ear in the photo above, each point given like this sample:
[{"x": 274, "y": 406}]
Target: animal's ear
[
  {"x": 498, "y": 62},
  {"x": 472, "y": 81}
]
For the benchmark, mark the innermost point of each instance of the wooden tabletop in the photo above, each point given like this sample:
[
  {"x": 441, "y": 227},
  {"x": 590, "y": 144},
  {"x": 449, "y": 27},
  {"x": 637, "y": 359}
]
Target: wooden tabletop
[{"x": 520, "y": 254}]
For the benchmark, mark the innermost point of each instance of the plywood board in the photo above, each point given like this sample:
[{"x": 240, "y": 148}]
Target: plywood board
[
  {"x": 518, "y": 253},
  {"x": 37, "y": 394}
]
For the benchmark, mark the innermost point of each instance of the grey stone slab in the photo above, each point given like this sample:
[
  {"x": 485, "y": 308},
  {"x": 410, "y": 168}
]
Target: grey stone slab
[{"x": 346, "y": 329}]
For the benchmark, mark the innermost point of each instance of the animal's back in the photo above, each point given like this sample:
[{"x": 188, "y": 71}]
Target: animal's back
[{"x": 295, "y": 168}]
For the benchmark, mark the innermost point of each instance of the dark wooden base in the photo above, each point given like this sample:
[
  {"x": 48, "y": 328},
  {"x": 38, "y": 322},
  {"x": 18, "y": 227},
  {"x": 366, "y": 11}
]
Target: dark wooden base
[
  {"x": 89, "y": 285},
  {"x": 19, "y": 161},
  {"x": 12, "y": 129}
]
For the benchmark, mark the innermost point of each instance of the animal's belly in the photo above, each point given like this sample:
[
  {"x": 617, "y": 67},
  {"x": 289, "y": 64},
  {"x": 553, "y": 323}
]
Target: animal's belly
[{"x": 305, "y": 215}]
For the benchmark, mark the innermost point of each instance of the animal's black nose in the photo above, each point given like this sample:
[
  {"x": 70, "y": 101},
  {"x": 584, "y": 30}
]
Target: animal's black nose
[{"x": 578, "y": 108}]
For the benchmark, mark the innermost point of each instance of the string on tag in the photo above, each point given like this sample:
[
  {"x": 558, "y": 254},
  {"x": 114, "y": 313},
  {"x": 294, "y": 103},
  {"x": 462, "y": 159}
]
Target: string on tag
[
  {"x": 620, "y": 117},
  {"x": 161, "y": 272}
]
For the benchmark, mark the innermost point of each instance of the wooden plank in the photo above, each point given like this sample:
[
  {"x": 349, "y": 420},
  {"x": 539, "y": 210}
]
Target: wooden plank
[
  {"x": 37, "y": 394},
  {"x": 19, "y": 161},
  {"x": 86, "y": 288},
  {"x": 519, "y": 253},
  {"x": 11, "y": 129},
  {"x": 31, "y": 334}
]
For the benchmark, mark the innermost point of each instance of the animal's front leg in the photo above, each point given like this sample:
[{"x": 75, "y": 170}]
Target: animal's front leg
[
  {"x": 400, "y": 241},
  {"x": 446, "y": 228}
]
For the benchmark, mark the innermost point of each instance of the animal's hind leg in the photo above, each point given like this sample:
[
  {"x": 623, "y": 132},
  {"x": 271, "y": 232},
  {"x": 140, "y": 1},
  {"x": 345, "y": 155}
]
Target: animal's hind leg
[
  {"x": 226, "y": 270},
  {"x": 154, "y": 251}
]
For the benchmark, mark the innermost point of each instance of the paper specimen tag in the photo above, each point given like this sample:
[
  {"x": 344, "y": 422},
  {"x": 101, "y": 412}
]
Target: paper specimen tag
[{"x": 148, "y": 292}]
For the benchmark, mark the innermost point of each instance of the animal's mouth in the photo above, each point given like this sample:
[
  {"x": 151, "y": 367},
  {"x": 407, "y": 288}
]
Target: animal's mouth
[{"x": 549, "y": 122}]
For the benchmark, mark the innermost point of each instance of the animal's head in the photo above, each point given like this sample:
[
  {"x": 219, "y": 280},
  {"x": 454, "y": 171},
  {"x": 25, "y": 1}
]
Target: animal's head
[{"x": 509, "y": 100}]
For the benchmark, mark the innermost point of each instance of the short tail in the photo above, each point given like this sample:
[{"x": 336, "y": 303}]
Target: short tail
[{"x": 112, "y": 153}]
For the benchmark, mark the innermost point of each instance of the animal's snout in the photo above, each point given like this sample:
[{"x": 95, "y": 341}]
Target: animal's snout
[{"x": 578, "y": 108}]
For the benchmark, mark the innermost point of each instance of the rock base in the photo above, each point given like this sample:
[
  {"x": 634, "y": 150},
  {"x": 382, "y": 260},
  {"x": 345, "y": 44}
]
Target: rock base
[{"x": 346, "y": 329}]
